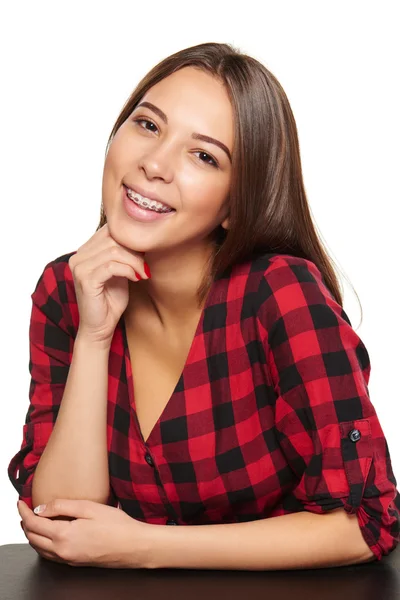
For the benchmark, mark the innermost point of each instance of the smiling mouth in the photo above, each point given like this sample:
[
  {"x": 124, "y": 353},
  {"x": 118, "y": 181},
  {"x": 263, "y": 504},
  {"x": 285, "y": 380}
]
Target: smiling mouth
[
  {"x": 143, "y": 214},
  {"x": 147, "y": 203}
]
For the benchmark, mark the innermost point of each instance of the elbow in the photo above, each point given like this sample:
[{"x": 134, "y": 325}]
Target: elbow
[
  {"x": 40, "y": 497},
  {"x": 46, "y": 498},
  {"x": 369, "y": 556}
]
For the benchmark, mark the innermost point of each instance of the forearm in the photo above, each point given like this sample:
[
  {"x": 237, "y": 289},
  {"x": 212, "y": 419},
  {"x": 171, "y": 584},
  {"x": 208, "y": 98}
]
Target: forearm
[
  {"x": 294, "y": 541},
  {"x": 74, "y": 463}
]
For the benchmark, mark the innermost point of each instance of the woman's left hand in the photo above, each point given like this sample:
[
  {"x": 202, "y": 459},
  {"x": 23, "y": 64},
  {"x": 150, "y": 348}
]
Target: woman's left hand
[{"x": 97, "y": 536}]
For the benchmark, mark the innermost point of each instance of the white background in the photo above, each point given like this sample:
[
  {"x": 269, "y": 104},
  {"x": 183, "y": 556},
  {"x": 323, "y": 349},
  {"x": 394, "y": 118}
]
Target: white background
[{"x": 67, "y": 70}]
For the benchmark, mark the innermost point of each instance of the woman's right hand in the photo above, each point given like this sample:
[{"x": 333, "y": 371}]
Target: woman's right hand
[{"x": 101, "y": 269}]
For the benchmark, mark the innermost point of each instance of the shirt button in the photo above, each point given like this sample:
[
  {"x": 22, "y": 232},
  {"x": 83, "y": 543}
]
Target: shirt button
[
  {"x": 354, "y": 435},
  {"x": 171, "y": 522},
  {"x": 149, "y": 460}
]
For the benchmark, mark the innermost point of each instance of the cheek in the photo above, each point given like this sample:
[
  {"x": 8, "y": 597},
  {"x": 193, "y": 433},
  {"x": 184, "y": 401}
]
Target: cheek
[
  {"x": 205, "y": 203},
  {"x": 202, "y": 215},
  {"x": 110, "y": 177},
  {"x": 118, "y": 160},
  {"x": 114, "y": 172},
  {"x": 202, "y": 189}
]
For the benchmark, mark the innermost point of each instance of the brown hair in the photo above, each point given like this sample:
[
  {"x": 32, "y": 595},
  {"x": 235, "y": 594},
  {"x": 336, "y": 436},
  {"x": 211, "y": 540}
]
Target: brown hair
[{"x": 268, "y": 206}]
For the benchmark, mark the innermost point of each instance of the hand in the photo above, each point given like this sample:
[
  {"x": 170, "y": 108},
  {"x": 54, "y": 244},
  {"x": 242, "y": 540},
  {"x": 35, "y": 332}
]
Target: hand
[
  {"x": 100, "y": 270},
  {"x": 98, "y": 536}
]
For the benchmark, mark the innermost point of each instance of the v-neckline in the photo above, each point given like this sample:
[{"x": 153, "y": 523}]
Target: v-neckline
[{"x": 129, "y": 375}]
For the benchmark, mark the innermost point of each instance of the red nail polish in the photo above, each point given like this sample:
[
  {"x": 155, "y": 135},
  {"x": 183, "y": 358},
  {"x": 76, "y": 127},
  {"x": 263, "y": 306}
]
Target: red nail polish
[
  {"x": 147, "y": 269},
  {"x": 137, "y": 275}
]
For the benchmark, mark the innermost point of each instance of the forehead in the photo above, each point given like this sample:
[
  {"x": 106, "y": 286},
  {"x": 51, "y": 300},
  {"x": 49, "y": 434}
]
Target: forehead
[{"x": 196, "y": 100}]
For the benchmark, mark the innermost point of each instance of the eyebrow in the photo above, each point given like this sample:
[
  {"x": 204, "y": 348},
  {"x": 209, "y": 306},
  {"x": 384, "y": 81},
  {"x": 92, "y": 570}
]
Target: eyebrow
[{"x": 195, "y": 136}]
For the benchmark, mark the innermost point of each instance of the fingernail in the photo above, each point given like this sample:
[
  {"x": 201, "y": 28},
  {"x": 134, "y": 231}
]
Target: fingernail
[
  {"x": 147, "y": 269},
  {"x": 137, "y": 275},
  {"x": 39, "y": 508}
]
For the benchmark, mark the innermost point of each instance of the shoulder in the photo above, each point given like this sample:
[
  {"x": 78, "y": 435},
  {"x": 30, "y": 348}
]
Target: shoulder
[
  {"x": 296, "y": 279},
  {"x": 292, "y": 298},
  {"x": 275, "y": 265},
  {"x": 54, "y": 292},
  {"x": 293, "y": 278},
  {"x": 273, "y": 276},
  {"x": 54, "y": 272},
  {"x": 286, "y": 285},
  {"x": 283, "y": 270}
]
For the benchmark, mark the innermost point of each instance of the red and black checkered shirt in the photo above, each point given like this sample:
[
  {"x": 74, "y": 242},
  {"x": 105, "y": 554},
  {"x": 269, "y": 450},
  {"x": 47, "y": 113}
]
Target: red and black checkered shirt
[{"x": 271, "y": 414}]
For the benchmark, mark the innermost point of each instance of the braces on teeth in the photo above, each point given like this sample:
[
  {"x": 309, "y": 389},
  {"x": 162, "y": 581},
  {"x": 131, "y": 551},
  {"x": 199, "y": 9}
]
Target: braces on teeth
[{"x": 153, "y": 205}]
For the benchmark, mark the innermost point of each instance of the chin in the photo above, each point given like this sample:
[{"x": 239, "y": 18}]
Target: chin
[{"x": 122, "y": 233}]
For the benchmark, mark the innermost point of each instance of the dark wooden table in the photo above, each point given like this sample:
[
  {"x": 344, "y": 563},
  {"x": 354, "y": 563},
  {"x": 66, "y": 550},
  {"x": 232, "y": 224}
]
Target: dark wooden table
[{"x": 25, "y": 575}]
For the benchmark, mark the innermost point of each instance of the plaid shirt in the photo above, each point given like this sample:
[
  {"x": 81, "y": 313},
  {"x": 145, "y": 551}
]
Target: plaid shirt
[{"x": 271, "y": 414}]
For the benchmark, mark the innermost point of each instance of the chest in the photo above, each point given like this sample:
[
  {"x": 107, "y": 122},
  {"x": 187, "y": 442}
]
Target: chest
[
  {"x": 156, "y": 365},
  {"x": 215, "y": 450}
]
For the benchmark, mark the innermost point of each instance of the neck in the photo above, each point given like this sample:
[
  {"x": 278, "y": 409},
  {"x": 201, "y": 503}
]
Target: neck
[{"x": 170, "y": 295}]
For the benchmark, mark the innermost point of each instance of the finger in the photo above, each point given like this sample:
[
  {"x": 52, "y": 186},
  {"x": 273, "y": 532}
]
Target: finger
[
  {"x": 92, "y": 247},
  {"x": 39, "y": 542},
  {"x": 116, "y": 254},
  {"x": 20, "y": 507},
  {"x": 48, "y": 555},
  {"x": 35, "y": 524},
  {"x": 80, "y": 509},
  {"x": 24, "y": 510},
  {"x": 99, "y": 236},
  {"x": 100, "y": 255},
  {"x": 40, "y": 545},
  {"x": 45, "y": 528},
  {"x": 52, "y": 557},
  {"x": 102, "y": 236}
]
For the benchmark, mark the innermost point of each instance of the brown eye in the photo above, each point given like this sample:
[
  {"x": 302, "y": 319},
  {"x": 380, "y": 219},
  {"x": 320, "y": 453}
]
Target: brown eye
[
  {"x": 209, "y": 157},
  {"x": 214, "y": 162},
  {"x": 145, "y": 121}
]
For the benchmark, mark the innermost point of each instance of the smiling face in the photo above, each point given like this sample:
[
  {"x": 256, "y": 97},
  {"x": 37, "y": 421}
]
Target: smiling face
[{"x": 162, "y": 158}]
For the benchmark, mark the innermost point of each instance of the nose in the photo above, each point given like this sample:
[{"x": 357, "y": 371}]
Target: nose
[{"x": 157, "y": 162}]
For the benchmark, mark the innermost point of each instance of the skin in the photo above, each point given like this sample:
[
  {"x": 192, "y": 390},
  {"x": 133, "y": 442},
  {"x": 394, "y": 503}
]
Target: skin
[
  {"x": 164, "y": 159},
  {"x": 165, "y": 163}
]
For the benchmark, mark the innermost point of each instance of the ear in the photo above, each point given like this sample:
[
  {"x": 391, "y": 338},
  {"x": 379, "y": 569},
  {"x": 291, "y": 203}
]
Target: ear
[{"x": 225, "y": 223}]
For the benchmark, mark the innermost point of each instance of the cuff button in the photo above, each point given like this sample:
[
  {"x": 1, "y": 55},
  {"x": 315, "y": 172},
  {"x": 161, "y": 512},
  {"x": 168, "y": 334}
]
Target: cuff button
[{"x": 354, "y": 435}]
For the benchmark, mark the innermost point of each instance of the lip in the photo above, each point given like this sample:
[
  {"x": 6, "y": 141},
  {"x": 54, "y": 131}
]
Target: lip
[
  {"x": 142, "y": 215},
  {"x": 148, "y": 195}
]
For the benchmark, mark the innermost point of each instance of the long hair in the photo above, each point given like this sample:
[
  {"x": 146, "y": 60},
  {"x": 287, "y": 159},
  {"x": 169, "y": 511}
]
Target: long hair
[{"x": 268, "y": 206}]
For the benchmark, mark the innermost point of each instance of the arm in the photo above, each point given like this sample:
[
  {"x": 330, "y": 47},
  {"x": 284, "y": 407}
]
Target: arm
[
  {"x": 327, "y": 427},
  {"x": 294, "y": 541},
  {"x": 74, "y": 463},
  {"x": 344, "y": 508},
  {"x": 64, "y": 448}
]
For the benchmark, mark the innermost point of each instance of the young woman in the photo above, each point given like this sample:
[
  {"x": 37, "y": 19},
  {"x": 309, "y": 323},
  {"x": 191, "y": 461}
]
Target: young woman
[{"x": 228, "y": 390}]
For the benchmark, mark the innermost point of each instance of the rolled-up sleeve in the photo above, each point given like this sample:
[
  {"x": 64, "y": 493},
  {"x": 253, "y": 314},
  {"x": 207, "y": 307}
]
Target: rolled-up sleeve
[
  {"x": 326, "y": 424},
  {"x": 51, "y": 340},
  {"x": 50, "y": 347}
]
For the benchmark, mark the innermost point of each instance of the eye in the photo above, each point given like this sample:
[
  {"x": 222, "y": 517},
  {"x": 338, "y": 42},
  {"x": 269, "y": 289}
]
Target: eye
[
  {"x": 144, "y": 121},
  {"x": 214, "y": 163}
]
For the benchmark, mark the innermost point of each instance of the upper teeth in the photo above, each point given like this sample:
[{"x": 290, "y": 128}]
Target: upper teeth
[{"x": 146, "y": 202}]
